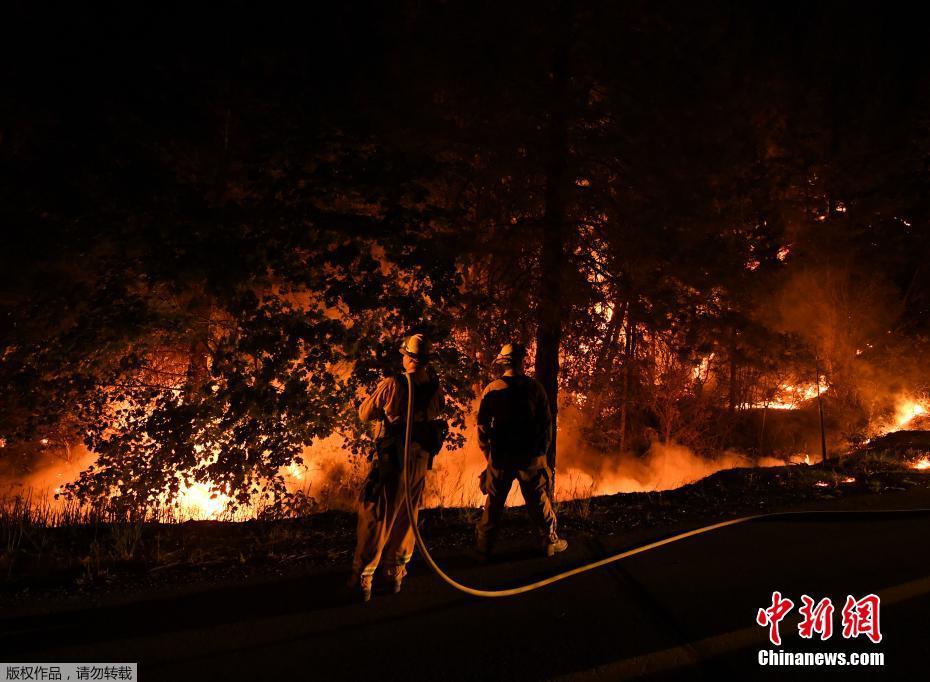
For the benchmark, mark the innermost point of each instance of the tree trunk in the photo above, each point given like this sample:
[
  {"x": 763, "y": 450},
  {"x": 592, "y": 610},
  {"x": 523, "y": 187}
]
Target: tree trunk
[{"x": 552, "y": 260}]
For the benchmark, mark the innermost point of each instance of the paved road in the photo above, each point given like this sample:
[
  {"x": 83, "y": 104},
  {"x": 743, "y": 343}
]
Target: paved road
[{"x": 682, "y": 611}]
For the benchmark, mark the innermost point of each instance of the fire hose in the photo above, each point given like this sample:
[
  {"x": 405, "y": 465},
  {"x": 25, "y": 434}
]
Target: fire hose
[{"x": 564, "y": 575}]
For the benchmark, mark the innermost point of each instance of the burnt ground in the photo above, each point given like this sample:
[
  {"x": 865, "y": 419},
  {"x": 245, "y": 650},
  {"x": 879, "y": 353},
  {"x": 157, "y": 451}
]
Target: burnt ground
[{"x": 53, "y": 568}]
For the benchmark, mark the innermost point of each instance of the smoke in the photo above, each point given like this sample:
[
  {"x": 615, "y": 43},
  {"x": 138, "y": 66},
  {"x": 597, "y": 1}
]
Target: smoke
[
  {"x": 849, "y": 318},
  {"x": 44, "y": 472},
  {"x": 329, "y": 474},
  {"x": 581, "y": 470},
  {"x": 665, "y": 466},
  {"x": 585, "y": 471}
]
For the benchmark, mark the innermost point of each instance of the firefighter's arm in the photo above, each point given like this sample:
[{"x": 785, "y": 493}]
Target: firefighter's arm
[
  {"x": 436, "y": 404},
  {"x": 484, "y": 424},
  {"x": 543, "y": 419},
  {"x": 373, "y": 406}
]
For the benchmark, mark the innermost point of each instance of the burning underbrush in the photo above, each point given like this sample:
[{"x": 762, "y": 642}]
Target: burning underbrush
[
  {"x": 329, "y": 477},
  {"x": 79, "y": 552}
]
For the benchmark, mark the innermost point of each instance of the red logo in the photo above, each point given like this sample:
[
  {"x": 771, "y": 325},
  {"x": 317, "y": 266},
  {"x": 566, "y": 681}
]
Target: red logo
[
  {"x": 817, "y": 618},
  {"x": 774, "y": 615},
  {"x": 860, "y": 617}
]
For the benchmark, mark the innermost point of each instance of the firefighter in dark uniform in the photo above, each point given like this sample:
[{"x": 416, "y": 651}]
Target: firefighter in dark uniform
[
  {"x": 514, "y": 432},
  {"x": 385, "y": 530}
]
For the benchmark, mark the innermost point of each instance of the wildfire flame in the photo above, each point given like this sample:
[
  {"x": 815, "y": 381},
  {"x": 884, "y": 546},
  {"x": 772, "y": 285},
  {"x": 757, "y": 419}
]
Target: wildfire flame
[
  {"x": 792, "y": 396},
  {"x": 198, "y": 502},
  {"x": 906, "y": 411},
  {"x": 922, "y": 463}
]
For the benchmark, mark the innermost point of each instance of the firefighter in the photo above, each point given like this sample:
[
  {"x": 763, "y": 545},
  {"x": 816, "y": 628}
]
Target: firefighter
[
  {"x": 385, "y": 531},
  {"x": 514, "y": 433}
]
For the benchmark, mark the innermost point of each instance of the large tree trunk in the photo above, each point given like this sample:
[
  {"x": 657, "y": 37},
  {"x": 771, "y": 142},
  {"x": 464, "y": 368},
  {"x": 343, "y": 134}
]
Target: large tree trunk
[{"x": 552, "y": 261}]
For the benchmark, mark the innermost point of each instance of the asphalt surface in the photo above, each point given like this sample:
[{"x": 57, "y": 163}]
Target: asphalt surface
[{"x": 686, "y": 610}]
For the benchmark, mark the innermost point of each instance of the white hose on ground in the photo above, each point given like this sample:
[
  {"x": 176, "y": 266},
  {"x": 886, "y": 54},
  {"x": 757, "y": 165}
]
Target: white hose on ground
[{"x": 558, "y": 577}]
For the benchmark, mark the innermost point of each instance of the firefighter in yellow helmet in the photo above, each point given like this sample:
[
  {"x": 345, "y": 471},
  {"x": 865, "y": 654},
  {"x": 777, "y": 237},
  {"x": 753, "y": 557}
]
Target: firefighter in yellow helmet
[
  {"x": 514, "y": 432},
  {"x": 385, "y": 531}
]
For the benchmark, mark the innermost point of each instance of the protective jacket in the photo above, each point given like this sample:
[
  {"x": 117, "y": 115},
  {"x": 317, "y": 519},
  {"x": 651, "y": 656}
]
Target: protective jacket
[
  {"x": 514, "y": 422},
  {"x": 388, "y": 405}
]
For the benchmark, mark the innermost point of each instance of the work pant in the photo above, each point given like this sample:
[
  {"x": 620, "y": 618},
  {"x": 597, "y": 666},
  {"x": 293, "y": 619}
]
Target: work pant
[
  {"x": 385, "y": 530},
  {"x": 534, "y": 484}
]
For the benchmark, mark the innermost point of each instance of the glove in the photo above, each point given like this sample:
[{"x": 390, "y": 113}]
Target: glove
[{"x": 483, "y": 482}]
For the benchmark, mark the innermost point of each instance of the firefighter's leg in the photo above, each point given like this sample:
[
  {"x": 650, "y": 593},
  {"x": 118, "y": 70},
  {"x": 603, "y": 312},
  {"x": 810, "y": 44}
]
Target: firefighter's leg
[
  {"x": 534, "y": 484},
  {"x": 374, "y": 515},
  {"x": 498, "y": 483},
  {"x": 400, "y": 539}
]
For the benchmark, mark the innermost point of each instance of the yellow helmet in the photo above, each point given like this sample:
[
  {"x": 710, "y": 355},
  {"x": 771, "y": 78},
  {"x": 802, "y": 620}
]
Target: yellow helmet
[
  {"x": 510, "y": 353},
  {"x": 416, "y": 346}
]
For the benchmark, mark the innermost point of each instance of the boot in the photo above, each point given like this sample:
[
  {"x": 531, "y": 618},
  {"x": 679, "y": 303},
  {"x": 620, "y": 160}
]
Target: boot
[
  {"x": 364, "y": 588},
  {"x": 483, "y": 547},
  {"x": 555, "y": 545},
  {"x": 394, "y": 578},
  {"x": 361, "y": 585}
]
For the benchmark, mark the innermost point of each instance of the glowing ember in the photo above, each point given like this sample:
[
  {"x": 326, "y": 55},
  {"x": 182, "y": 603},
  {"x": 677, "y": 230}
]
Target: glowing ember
[
  {"x": 822, "y": 484},
  {"x": 848, "y": 479},
  {"x": 922, "y": 463}
]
